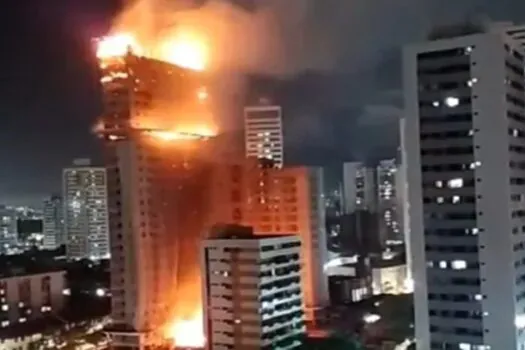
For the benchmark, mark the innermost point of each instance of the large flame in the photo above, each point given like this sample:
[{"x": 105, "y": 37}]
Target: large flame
[
  {"x": 184, "y": 48},
  {"x": 187, "y": 50},
  {"x": 187, "y": 333},
  {"x": 118, "y": 45}
]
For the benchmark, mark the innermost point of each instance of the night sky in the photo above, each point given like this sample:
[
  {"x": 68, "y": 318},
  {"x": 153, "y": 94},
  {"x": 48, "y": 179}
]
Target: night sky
[{"x": 341, "y": 87}]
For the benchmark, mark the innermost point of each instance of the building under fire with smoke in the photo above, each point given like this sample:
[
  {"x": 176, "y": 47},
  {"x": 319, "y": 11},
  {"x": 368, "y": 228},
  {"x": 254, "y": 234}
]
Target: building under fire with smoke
[
  {"x": 155, "y": 124},
  {"x": 167, "y": 188}
]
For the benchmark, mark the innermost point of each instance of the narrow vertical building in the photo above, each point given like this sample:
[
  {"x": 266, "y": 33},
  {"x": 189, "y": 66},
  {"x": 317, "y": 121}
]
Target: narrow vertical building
[
  {"x": 85, "y": 211},
  {"x": 388, "y": 206},
  {"x": 8, "y": 230},
  {"x": 263, "y": 132},
  {"x": 252, "y": 290},
  {"x": 53, "y": 223},
  {"x": 158, "y": 198},
  {"x": 465, "y": 147},
  {"x": 359, "y": 187}
]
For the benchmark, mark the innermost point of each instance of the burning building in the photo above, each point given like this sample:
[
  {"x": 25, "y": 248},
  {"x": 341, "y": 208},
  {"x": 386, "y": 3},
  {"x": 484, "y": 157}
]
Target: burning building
[
  {"x": 167, "y": 188},
  {"x": 156, "y": 125}
]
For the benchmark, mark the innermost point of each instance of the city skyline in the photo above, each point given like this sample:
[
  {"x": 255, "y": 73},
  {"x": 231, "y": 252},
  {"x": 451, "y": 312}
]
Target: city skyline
[{"x": 51, "y": 85}]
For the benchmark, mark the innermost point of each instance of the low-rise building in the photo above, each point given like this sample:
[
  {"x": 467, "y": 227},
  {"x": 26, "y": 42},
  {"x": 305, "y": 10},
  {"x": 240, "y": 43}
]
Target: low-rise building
[
  {"x": 25, "y": 297},
  {"x": 389, "y": 275},
  {"x": 252, "y": 290}
]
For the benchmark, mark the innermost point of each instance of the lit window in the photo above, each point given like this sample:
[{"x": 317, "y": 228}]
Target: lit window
[
  {"x": 475, "y": 231},
  {"x": 456, "y": 199},
  {"x": 443, "y": 264},
  {"x": 440, "y": 200},
  {"x": 478, "y": 297},
  {"x": 455, "y": 183},
  {"x": 435, "y": 103},
  {"x": 465, "y": 346},
  {"x": 459, "y": 264},
  {"x": 452, "y": 101},
  {"x": 468, "y": 50},
  {"x": 520, "y": 321},
  {"x": 439, "y": 184},
  {"x": 5, "y": 307}
]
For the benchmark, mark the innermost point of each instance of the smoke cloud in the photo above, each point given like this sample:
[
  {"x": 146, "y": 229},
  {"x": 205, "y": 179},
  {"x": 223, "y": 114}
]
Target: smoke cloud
[{"x": 268, "y": 37}]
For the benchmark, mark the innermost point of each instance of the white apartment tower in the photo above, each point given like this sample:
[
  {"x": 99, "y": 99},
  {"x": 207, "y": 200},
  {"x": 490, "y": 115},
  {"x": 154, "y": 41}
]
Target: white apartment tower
[
  {"x": 53, "y": 223},
  {"x": 465, "y": 153},
  {"x": 263, "y": 132},
  {"x": 85, "y": 211},
  {"x": 252, "y": 291},
  {"x": 359, "y": 187},
  {"x": 388, "y": 204}
]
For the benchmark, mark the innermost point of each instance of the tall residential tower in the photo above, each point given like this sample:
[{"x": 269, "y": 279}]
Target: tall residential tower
[
  {"x": 359, "y": 187},
  {"x": 53, "y": 223},
  {"x": 85, "y": 211},
  {"x": 263, "y": 132},
  {"x": 465, "y": 153}
]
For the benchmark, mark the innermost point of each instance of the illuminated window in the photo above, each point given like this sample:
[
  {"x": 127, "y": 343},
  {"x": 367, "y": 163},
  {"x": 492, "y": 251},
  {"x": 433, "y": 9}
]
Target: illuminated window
[
  {"x": 459, "y": 264},
  {"x": 452, "y": 101},
  {"x": 455, "y": 183},
  {"x": 442, "y": 264},
  {"x": 456, "y": 199}
]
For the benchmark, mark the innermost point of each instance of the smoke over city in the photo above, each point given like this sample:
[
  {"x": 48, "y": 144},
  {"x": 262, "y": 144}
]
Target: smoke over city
[{"x": 270, "y": 37}]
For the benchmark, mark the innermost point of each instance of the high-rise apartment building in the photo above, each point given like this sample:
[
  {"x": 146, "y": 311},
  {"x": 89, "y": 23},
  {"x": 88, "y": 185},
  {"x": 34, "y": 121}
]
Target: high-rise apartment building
[
  {"x": 359, "y": 187},
  {"x": 158, "y": 198},
  {"x": 388, "y": 203},
  {"x": 85, "y": 211},
  {"x": 465, "y": 146},
  {"x": 53, "y": 223},
  {"x": 263, "y": 132},
  {"x": 252, "y": 290},
  {"x": 279, "y": 201},
  {"x": 8, "y": 229}
]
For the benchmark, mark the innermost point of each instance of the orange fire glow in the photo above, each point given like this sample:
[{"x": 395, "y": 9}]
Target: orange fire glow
[
  {"x": 187, "y": 333},
  {"x": 184, "y": 49},
  {"x": 195, "y": 134},
  {"x": 118, "y": 45}
]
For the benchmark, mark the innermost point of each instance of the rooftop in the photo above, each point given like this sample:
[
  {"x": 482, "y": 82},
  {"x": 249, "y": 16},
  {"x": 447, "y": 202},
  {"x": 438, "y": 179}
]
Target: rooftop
[
  {"x": 29, "y": 264},
  {"x": 231, "y": 231}
]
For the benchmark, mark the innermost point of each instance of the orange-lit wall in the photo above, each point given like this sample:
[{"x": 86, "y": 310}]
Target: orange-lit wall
[
  {"x": 158, "y": 219},
  {"x": 278, "y": 201}
]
